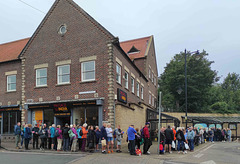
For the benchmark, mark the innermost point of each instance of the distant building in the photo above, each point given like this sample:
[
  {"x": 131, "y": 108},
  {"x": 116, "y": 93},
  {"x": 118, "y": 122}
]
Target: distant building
[{"x": 72, "y": 70}]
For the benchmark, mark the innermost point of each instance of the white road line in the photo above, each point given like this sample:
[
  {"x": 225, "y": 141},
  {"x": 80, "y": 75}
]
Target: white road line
[
  {"x": 206, "y": 148},
  {"x": 9, "y": 152}
]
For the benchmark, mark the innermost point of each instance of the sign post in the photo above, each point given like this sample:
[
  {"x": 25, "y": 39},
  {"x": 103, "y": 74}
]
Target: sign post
[{"x": 159, "y": 121}]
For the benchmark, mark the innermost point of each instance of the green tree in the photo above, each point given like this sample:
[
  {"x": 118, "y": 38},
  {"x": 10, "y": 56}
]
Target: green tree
[{"x": 200, "y": 78}]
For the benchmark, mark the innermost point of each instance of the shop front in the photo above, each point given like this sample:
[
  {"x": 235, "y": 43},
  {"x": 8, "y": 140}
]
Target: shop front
[
  {"x": 9, "y": 116},
  {"x": 71, "y": 112}
]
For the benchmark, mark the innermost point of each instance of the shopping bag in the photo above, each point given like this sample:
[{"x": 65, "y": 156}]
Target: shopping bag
[
  {"x": 186, "y": 145},
  {"x": 160, "y": 147},
  {"x": 173, "y": 145},
  {"x": 103, "y": 142},
  {"x": 138, "y": 152}
]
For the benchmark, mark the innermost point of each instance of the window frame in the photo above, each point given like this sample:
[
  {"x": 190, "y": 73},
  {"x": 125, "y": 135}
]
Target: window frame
[
  {"x": 58, "y": 68},
  {"x": 132, "y": 84},
  {"x": 94, "y": 70},
  {"x": 8, "y": 90},
  {"x": 126, "y": 84},
  {"x": 149, "y": 73},
  {"x": 40, "y": 77},
  {"x": 118, "y": 74},
  {"x": 142, "y": 92},
  {"x": 138, "y": 89},
  {"x": 150, "y": 99}
]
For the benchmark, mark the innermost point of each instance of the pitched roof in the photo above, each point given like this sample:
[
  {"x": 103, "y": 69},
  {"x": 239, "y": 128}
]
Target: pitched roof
[
  {"x": 10, "y": 51},
  {"x": 141, "y": 44}
]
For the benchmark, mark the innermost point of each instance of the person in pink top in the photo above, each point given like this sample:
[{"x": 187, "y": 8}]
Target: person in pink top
[
  {"x": 59, "y": 138},
  {"x": 74, "y": 139}
]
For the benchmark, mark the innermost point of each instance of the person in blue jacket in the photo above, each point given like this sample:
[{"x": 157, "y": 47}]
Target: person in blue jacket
[
  {"x": 27, "y": 135},
  {"x": 131, "y": 132},
  {"x": 52, "y": 131},
  {"x": 103, "y": 136},
  {"x": 79, "y": 132}
]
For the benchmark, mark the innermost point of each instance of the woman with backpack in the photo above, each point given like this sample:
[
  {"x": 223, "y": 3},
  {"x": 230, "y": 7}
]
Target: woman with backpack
[
  {"x": 58, "y": 134},
  {"x": 52, "y": 131},
  {"x": 90, "y": 139},
  {"x": 79, "y": 133},
  {"x": 27, "y": 135},
  {"x": 43, "y": 136},
  {"x": 73, "y": 137},
  {"x": 181, "y": 139}
]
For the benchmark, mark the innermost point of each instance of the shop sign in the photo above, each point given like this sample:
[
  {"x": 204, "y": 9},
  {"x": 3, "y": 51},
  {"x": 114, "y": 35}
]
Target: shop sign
[
  {"x": 61, "y": 108},
  {"x": 122, "y": 96},
  {"x": 85, "y": 103},
  {"x": 8, "y": 109},
  {"x": 62, "y": 114}
]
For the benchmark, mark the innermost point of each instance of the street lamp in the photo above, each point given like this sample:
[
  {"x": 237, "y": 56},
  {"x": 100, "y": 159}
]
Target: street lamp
[{"x": 197, "y": 53}]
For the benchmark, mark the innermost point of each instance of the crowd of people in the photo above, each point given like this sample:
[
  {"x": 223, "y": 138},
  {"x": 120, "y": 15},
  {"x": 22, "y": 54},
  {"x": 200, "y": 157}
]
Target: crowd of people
[{"x": 77, "y": 138}]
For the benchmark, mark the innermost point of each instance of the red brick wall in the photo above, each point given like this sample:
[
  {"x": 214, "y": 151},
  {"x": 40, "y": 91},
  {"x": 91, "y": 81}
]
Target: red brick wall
[
  {"x": 82, "y": 39},
  {"x": 5, "y": 96}
]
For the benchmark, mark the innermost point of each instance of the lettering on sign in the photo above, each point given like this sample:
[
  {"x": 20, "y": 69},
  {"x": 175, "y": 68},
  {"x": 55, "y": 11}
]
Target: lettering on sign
[
  {"x": 60, "y": 108},
  {"x": 122, "y": 96}
]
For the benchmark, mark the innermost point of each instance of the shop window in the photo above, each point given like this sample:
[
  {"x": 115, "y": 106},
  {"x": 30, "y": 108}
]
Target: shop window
[
  {"x": 11, "y": 83},
  {"x": 132, "y": 84},
  {"x": 88, "y": 71},
  {"x": 126, "y": 80},
  {"x": 10, "y": 119},
  {"x": 41, "y": 77},
  {"x": 48, "y": 116},
  {"x": 64, "y": 74},
  {"x": 88, "y": 114},
  {"x": 118, "y": 73},
  {"x": 138, "y": 89}
]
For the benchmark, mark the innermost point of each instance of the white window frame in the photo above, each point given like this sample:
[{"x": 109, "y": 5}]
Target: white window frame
[
  {"x": 8, "y": 90},
  {"x": 138, "y": 88},
  {"x": 40, "y": 77},
  {"x": 58, "y": 79},
  {"x": 94, "y": 70},
  {"x": 152, "y": 77},
  {"x": 150, "y": 99},
  {"x": 118, "y": 74},
  {"x": 149, "y": 73},
  {"x": 141, "y": 92},
  {"x": 153, "y": 101},
  {"x": 126, "y": 79},
  {"x": 132, "y": 84},
  {"x": 155, "y": 80}
]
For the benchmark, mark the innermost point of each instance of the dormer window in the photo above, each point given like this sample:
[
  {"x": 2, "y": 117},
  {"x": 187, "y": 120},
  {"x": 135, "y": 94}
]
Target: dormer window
[{"x": 133, "y": 50}]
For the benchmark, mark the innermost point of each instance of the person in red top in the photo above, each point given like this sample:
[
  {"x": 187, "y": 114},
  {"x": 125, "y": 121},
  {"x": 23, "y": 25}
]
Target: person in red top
[
  {"x": 84, "y": 137},
  {"x": 147, "y": 141}
]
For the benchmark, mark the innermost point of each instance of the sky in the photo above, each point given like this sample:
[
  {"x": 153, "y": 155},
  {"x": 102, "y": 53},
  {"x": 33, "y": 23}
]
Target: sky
[{"x": 212, "y": 25}]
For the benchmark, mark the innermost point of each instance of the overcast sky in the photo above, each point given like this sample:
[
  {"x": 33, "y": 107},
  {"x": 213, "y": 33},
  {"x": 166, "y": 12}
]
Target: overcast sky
[{"x": 212, "y": 25}]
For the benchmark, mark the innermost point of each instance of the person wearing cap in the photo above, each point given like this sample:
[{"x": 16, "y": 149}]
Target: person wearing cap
[
  {"x": 131, "y": 132},
  {"x": 147, "y": 141},
  {"x": 65, "y": 138},
  {"x": 35, "y": 131}
]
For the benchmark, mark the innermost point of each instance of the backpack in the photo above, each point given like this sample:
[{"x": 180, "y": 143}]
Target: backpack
[
  {"x": 71, "y": 134},
  {"x": 142, "y": 132},
  {"x": 65, "y": 131},
  {"x": 114, "y": 134},
  {"x": 210, "y": 132},
  {"x": 81, "y": 133},
  {"x": 179, "y": 136},
  {"x": 57, "y": 133}
]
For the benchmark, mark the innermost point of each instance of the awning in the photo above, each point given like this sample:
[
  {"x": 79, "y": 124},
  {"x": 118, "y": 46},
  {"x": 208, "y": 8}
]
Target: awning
[{"x": 212, "y": 119}]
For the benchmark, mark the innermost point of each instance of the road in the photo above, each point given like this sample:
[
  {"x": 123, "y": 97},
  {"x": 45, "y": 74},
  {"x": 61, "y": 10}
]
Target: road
[
  {"x": 210, "y": 153},
  {"x": 38, "y": 158},
  {"x": 215, "y": 153}
]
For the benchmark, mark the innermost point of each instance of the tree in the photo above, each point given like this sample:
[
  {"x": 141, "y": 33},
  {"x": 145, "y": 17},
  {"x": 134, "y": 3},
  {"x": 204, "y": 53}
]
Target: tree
[{"x": 200, "y": 78}]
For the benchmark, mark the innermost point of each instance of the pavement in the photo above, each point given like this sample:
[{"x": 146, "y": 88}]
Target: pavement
[{"x": 208, "y": 153}]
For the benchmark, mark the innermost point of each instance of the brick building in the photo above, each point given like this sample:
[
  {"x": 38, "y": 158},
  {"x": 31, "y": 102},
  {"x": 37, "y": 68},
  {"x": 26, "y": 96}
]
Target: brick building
[{"x": 72, "y": 70}]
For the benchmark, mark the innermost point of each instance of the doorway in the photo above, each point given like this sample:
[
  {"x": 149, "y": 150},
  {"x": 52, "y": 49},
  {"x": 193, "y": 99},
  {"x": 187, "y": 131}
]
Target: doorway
[{"x": 62, "y": 121}]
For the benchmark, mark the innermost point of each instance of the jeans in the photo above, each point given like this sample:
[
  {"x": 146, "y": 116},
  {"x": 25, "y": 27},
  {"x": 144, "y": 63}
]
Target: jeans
[
  {"x": 211, "y": 139},
  {"x": 59, "y": 144},
  {"x": 65, "y": 144},
  {"x": 22, "y": 141},
  {"x": 191, "y": 144},
  {"x": 17, "y": 139},
  {"x": 132, "y": 147},
  {"x": 179, "y": 145},
  {"x": 79, "y": 144},
  {"x": 26, "y": 142},
  {"x": 74, "y": 144},
  {"x": 42, "y": 143}
]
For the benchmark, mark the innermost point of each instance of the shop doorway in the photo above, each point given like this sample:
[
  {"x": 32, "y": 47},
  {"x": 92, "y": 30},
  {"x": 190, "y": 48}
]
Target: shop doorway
[
  {"x": 62, "y": 121},
  {"x": 10, "y": 119}
]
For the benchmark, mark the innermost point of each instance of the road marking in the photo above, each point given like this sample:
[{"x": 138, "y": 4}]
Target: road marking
[
  {"x": 206, "y": 148},
  {"x": 198, "y": 155},
  {"x": 208, "y": 162}
]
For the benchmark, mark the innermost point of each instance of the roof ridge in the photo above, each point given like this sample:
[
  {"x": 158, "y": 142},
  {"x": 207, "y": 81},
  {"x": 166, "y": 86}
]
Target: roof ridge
[
  {"x": 14, "y": 41},
  {"x": 135, "y": 39}
]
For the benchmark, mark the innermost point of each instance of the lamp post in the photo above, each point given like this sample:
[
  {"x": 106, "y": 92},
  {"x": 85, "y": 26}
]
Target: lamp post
[{"x": 185, "y": 52}]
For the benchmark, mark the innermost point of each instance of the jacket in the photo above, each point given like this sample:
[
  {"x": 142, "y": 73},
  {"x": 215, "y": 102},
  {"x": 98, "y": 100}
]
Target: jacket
[
  {"x": 169, "y": 134},
  {"x": 84, "y": 132},
  {"x": 146, "y": 132},
  {"x": 103, "y": 132},
  {"x": 34, "y": 131},
  {"x": 17, "y": 130},
  {"x": 78, "y": 132},
  {"x": 65, "y": 135},
  {"x": 174, "y": 134},
  {"x": 98, "y": 134},
  {"x": 75, "y": 132},
  {"x": 60, "y": 133},
  {"x": 91, "y": 136},
  {"x": 43, "y": 133},
  {"x": 190, "y": 135},
  {"x": 118, "y": 134},
  {"x": 27, "y": 133},
  {"x": 52, "y": 131},
  {"x": 131, "y": 133},
  {"x": 179, "y": 132}
]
